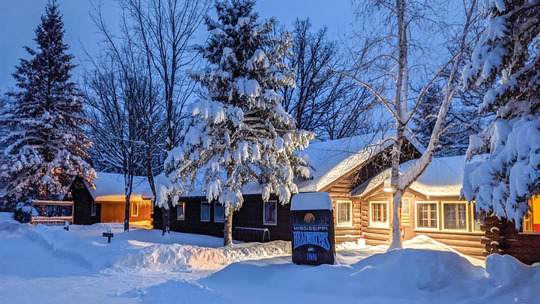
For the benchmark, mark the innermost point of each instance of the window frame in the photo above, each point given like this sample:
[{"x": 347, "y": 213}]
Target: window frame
[
  {"x": 183, "y": 205},
  {"x": 473, "y": 218},
  {"x": 338, "y": 208},
  {"x": 202, "y": 219},
  {"x": 379, "y": 224},
  {"x": 531, "y": 216},
  {"x": 216, "y": 220},
  {"x": 269, "y": 223},
  {"x": 417, "y": 216},
  {"x": 408, "y": 213},
  {"x": 443, "y": 222},
  {"x": 134, "y": 207}
]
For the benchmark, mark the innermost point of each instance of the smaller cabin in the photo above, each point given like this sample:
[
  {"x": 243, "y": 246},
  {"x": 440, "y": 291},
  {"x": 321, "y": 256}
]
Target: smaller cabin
[{"x": 106, "y": 203}]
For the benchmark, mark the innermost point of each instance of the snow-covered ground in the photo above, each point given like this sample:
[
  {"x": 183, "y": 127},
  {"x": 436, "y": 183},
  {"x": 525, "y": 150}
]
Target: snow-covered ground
[{"x": 50, "y": 265}]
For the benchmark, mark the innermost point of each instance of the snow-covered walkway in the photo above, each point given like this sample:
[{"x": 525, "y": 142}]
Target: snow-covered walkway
[{"x": 50, "y": 265}]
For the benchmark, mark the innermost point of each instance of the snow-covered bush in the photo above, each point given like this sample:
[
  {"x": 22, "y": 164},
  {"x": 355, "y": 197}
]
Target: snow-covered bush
[{"x": 23, "y": 212}]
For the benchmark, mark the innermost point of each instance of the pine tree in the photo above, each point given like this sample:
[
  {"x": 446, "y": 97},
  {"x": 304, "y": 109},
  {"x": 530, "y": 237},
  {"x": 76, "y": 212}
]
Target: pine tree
[
  {"x": 238, "y": 132},
  {"x": 45, "y": 148},
  {"x": 507, "y": 61}
]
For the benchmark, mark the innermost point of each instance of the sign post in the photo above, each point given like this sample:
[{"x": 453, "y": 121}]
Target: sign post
[{"x": 312, "y": 223}]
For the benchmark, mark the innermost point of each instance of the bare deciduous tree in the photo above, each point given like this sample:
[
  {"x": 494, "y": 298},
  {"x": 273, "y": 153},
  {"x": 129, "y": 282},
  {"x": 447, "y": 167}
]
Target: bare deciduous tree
[
  {"x": 163, "y": 31},
  {"x": 384, "y": 67},
  {"x": 123, "y": 107},
  {"x": 328, "y": 104}
]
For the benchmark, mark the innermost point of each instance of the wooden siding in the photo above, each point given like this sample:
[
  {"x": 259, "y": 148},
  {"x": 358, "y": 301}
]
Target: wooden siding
[
  {"x": 341, "y": 188},
  {"x": 466, "y": 242},
  {"x": 501, "y": 236},
  {"x": 250, "y": 215},
  {"x": 82, "y": 203},
  {"x": 192, "y": 219},
  {"x": 114, "y": 212}
]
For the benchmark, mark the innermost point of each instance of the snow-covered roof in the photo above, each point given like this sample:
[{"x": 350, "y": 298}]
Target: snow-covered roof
[
  {"x": 334, "y": 158},
  {"x": 330, "y": 160},
  {"x": 443, "y": 177},
  {"x": 110, "y": 188}
]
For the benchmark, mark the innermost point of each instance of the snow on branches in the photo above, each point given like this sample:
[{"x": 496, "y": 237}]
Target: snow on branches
[
  {"x": 507, "y": 60},
  {"x": 45, "y": 148},
  {"x": 238, "y": 132}
]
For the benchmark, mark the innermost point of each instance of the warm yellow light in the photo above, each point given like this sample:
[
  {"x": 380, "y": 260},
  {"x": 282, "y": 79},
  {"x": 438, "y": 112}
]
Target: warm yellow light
[{"x": 387, "y": 186}]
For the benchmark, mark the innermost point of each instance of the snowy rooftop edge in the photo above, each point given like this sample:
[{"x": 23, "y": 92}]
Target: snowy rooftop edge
[{"x": 443, "y": 177}]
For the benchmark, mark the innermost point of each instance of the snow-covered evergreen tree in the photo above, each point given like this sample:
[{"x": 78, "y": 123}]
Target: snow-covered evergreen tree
[
  {"x": 507, "y": 60},
  {"x": 238, "y": 132},
  {"x": 45, "y": 148}
]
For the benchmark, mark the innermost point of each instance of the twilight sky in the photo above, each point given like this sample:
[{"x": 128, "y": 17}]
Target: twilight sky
[{"x": 19, "y": 18}]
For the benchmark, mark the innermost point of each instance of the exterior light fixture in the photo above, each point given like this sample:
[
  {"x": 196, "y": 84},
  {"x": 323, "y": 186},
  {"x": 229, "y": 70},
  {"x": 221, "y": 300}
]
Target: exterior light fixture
[{"x": 387, "y": 186}]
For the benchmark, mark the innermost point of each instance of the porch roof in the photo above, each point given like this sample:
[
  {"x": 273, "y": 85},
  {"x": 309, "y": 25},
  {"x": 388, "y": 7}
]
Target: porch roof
[{"x": 443, "y": 177}]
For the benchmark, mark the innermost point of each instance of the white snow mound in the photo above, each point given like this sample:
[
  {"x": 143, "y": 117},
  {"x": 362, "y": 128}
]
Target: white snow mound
[{"x": 177, "y": 256}]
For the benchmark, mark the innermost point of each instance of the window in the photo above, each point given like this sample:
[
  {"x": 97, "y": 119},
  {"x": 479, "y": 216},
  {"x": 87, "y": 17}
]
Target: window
[
  {"x": 181, "y": 211},
  {"x": 405, "y": 211},
  {"x": 379, "y": 214},
  {"x": 270, "y": 213},
  {"x": 478, "y": 218},
  {"x": 427, "y": 215},
  {"x": 134, "y": 209},
  {"x": 344, "y": 213},
  {"x": 531, "y": 222},
  {"x": 219, "y": 212},
  {"x": 93, "y": 208},
  {"x": 455, "y": 215},
  {"x": 205, "y": 211}
]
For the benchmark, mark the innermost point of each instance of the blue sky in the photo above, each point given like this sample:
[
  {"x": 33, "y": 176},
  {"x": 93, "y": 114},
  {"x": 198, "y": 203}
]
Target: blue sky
[{"x": 19, "y": 18}]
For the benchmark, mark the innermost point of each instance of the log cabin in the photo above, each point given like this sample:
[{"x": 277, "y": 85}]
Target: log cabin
[
  {"x": 106, "y": 202},
  {"x": 431, "y": 206},
  {"x": 338, "y": 167}
]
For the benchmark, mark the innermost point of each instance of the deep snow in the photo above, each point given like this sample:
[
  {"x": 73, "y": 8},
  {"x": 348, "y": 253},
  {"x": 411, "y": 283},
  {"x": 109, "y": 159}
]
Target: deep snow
[{"x": 50, "y": 265}]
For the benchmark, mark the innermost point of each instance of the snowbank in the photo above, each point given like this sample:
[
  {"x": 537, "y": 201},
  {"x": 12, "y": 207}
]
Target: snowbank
[
  {"x": 141, "y": 266},
  {"x": 177, "y": 257}
]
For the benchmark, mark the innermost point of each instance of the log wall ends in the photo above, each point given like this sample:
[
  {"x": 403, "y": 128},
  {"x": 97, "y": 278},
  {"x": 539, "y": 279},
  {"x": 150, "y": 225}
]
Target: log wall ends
[{"x": 502, "y": 237}]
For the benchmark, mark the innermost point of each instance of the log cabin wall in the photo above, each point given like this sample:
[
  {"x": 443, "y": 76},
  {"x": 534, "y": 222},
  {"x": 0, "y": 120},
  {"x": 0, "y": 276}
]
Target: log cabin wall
[
  {"x": 466, "y": 241},
  {"x": 501, "y": 236},
  {"x": 375, "y": 235},
  {"x": 340, "y": 190},
  {"x": 114, "y": 212}
]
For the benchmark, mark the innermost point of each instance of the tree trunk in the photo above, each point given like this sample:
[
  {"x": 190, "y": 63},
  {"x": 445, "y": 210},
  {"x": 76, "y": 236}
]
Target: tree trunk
[
  {"x": 166, "y": 223},
  {"x": 126, "y": 214},
  {"x": 227, "y": 226},
  {"x": 395, "y": 231}
]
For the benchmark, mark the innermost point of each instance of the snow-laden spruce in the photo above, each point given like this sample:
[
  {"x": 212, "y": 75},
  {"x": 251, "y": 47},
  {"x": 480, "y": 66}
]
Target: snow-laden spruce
[
  {"x": 238, "y": 131},
  {"x": 507, "y": 60},
  {"x": 45, "y": 148}
]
